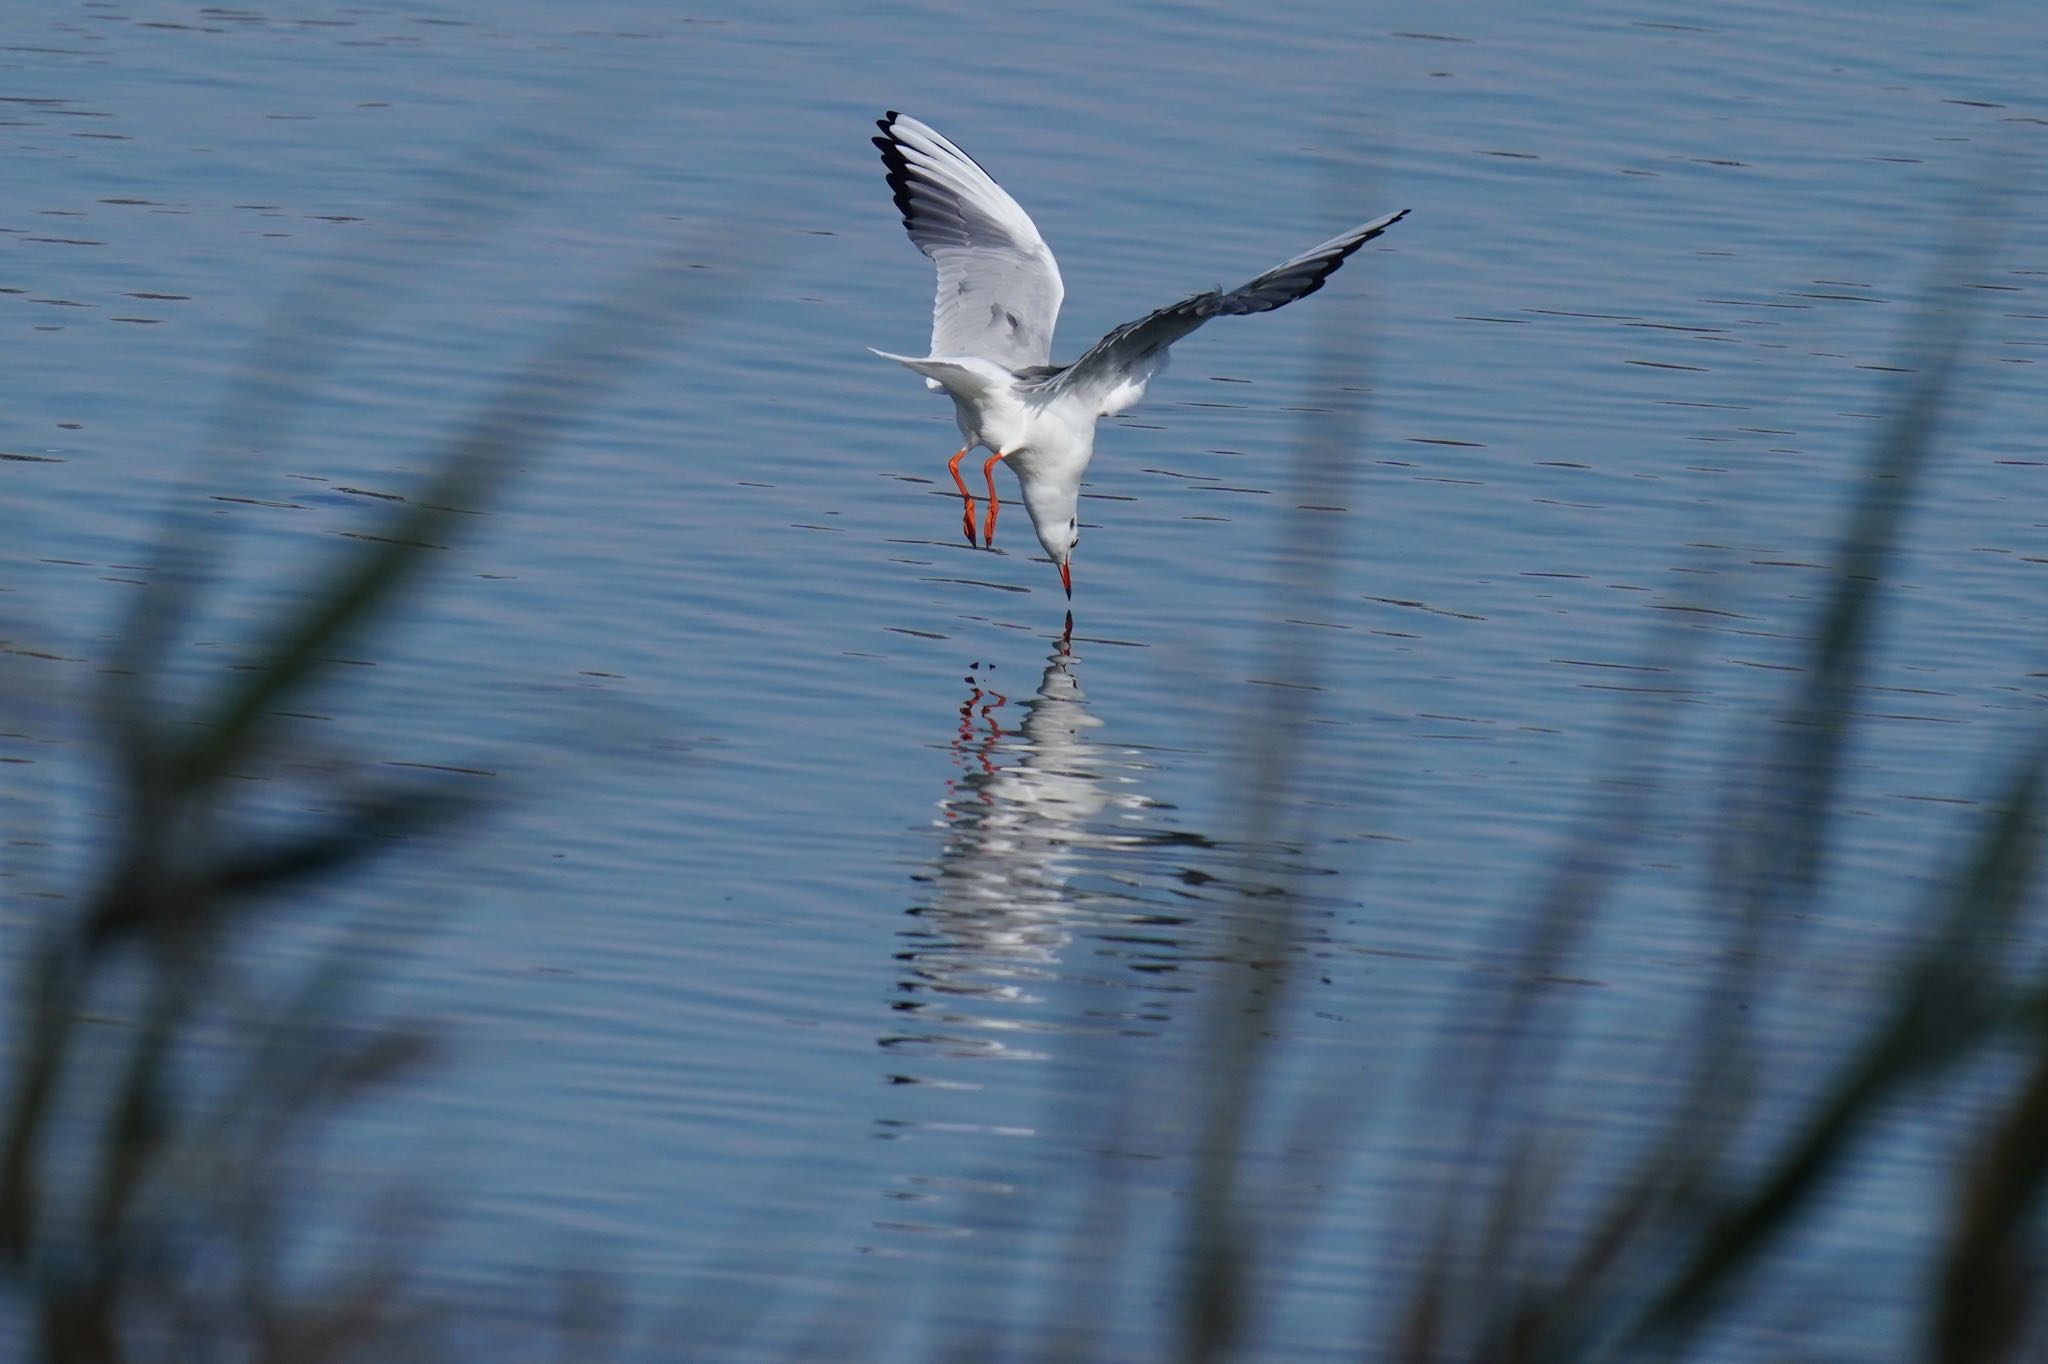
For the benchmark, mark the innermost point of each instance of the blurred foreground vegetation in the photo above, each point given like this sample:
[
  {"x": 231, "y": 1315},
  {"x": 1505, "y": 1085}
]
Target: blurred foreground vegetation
[{"x": 162, "y": 1108}]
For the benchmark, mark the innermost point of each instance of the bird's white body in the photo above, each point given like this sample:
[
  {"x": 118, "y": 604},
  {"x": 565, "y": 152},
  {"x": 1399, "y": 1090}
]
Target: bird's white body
[
  {"x": 998, "y": 298},
  {"x": 1047, "y": 439}
]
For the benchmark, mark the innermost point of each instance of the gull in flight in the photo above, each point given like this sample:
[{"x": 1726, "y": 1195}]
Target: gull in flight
[{"x": 999, "y": 295}]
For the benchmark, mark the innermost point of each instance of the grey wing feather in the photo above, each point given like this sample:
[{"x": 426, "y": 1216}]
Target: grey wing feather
[
  {"x": 1134, "y": 345},
  {"x": 999, "y": 287}
]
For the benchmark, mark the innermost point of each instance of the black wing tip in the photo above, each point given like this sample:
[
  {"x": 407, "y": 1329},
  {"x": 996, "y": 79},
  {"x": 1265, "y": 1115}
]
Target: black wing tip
[
  {"x": 1371, "y": 232},
  {"x": 1303, "y": 276},
  {"x": 898, "y": 172},
  {"x": 887, "y": 123},
  {"x": 1374, "y": 229},
  {"x": 903, "y": 177},
  {"x": 891, "y": 148}
]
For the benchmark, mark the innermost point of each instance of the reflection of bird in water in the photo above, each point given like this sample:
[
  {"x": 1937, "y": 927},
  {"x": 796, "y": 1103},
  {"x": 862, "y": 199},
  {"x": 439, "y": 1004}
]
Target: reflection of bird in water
[
  {"x": 1021, "y": 822},
  {"x": 999, "y": 296}
]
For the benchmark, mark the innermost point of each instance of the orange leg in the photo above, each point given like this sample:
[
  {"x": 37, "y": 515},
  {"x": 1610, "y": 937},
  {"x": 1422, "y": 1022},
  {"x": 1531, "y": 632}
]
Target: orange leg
[
  {"x": 988, "y": 471},
  {"x": 967, "y": 515}
]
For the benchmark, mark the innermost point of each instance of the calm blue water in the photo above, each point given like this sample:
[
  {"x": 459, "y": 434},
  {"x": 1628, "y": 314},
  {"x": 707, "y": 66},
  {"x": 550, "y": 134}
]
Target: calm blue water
[{"x": 817, "y": 864}]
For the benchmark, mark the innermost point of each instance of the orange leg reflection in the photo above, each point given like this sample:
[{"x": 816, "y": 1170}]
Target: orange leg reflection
[
  {"x": 985, "y": 701},
  {"x": 979, "y": 747},
  {"x": 988, "y": 471},
  {"x": 967, "y": 515}
]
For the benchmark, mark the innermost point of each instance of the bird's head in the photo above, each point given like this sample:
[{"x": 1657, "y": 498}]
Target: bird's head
[{"x": 1056, "y": 515}]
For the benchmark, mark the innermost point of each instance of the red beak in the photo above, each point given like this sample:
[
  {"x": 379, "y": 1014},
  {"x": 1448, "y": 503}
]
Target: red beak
[{"x": 1067, "y": 580}]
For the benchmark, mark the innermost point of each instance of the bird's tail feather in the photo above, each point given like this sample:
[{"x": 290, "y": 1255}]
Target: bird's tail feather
[{"x": 964, "y": 376}]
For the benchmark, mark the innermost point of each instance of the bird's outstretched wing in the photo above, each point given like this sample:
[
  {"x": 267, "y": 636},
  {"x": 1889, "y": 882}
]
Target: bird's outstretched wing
[
  {"x": 1129, "y": 354},
  {"x": 999, "y": 288}
]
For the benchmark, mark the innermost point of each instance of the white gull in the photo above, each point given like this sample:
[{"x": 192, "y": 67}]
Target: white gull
[{"x": 998, "y": 298}]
